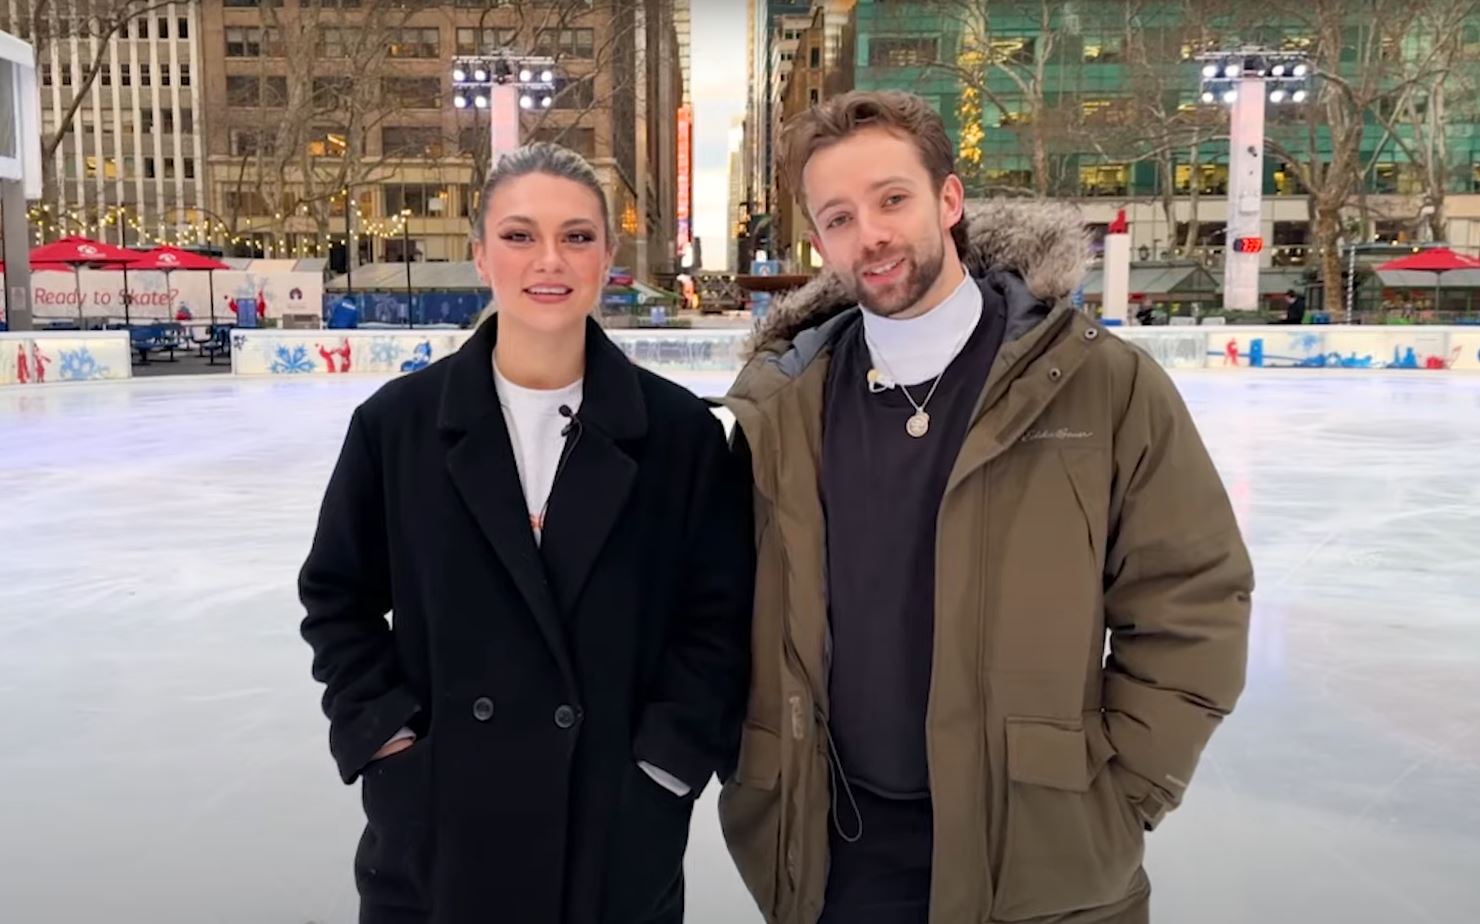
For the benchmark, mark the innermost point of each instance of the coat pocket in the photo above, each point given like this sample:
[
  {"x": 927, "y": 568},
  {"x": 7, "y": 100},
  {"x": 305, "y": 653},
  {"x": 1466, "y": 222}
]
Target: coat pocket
[
  {"x": 750, "y": 815},
  {"x": 1071, "y": 839},
  {"x": 393, "y": 862}
]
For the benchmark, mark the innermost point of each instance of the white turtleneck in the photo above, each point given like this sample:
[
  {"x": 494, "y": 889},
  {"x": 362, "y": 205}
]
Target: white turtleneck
[{"x": 919, "y": 349}]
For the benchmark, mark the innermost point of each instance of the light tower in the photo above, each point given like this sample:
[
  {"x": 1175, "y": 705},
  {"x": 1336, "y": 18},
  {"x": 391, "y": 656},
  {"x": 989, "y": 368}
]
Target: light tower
[
  {"x": 503, "y": 83},
  {"x": 1243, "y": 80}
]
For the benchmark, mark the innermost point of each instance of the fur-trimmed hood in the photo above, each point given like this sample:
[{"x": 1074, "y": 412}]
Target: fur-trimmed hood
[{"x": 1043, "y": 243}]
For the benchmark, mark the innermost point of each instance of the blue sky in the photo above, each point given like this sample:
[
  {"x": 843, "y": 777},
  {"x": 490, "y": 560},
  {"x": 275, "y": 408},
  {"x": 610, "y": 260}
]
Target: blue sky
[{"x": 719, "y": 78}]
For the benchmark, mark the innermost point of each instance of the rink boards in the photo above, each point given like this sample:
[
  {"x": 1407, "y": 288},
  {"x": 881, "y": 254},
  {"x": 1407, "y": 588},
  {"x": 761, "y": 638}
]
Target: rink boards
[
  {"x": 276, "y": 352},
  {"x": 62, "y": 356},
  {"x": 40, "y": 357}
]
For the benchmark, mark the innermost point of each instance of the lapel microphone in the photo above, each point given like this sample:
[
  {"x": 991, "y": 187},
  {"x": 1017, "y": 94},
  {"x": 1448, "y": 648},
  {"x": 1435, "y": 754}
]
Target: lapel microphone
[{"x": 574, "y": 422}]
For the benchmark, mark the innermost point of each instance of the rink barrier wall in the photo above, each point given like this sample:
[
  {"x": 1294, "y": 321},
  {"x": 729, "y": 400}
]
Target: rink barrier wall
[
  {"x": 273, "y": 352},
  {"x": 43, "y": 357},
  {"x": 325, "y": 352}
]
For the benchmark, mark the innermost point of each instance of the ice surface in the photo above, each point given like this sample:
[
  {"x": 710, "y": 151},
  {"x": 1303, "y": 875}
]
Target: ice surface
[{"x": 163, "y": 759}]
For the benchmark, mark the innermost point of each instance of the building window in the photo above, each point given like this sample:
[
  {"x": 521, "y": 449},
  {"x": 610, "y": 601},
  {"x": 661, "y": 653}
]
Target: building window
[
  {"x": 145, "y": 77},
  {"x": 243, "y": 91},
  {"x": 1017, "y": 50},
  {"x": 182, "y": 28},
  {"x": 141, "y": 26},
  {"x": 189, "y": 168},
  {"x": 414, "y": 42},
  {"x": 901, "y": 52},
  {"x": 105, "y": 77},
  {"x": 253, "y": 42},
  {"x": 184, "y": 75},
  {"x": 1110, "y": 50},
  {"x": 566, "y": 43},
  {"x": 468, "y": 42},
  {"x": 46, "y": 75},
  {"x": 814, "y": 57},
  {"x": 332, "y": 92},
  {"x": 245, "y": 202},
  {"x": 813, "y": 96},
  {"x": 1212, "y": 179},
  {"x": 1104, "y": 180},
  {"x": 339, "y": 41},
  {"x": 274, "y": 91},
  {"x": 164, "y": 75},
  {"x": 327, "y": 143},
  {"x": 413, "y": 92},
  {"x": 574, "y": 93},
  {"x": 149, "y": 168},
  {"x": 411, "y": 141},
  {"x": 163, "y": 31},
  {"x": 250, "y": 142},
  {"x": 472, "y": 140},
  {"x": 125, "y": 75},
  {"x": 422, "y": 200}
]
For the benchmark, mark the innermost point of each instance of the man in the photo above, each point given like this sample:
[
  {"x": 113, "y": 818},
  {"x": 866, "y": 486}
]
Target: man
[
  {"x": 962, "y": 485},
  {"x": 1294, "y": 307}
]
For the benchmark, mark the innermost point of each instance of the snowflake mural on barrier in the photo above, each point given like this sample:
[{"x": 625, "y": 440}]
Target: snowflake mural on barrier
[
  {"x": 80, "y": 366},
  {"x": 385, "y": 352},
  {"x": 291, "y": 361}
]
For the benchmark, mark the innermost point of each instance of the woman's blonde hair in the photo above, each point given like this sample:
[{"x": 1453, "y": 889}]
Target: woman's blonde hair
[{"x": 551, "y": 160}]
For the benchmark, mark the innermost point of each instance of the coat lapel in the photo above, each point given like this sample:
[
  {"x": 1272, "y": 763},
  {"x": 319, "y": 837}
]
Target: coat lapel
[
  {"x": 592, "y": 490},
  {"x": 481, "y": 463}
]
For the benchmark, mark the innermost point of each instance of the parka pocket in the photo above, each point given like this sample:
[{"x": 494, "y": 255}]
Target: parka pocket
[
  {"x": 1071, "y": 841},
  {"x": 393, "y": 862},
  {"x": 750, "y": 815}
]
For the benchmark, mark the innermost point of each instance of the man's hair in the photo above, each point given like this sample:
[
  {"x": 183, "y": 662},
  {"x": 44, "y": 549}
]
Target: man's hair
[{"x": 903, "y": 114}]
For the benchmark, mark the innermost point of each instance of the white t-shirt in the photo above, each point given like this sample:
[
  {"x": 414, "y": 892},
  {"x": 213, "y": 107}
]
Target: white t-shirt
[{"x": 536, "y": 430}]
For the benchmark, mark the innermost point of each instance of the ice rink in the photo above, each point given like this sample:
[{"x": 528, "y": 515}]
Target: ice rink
[{"x": 163, "y": 758}]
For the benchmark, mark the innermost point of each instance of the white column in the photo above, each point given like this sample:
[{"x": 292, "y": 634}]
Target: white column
[
  {"x": 503, "y": 120},
  {"x": 1245, "y": 195},
  {"x": 1117, "y": 278}
]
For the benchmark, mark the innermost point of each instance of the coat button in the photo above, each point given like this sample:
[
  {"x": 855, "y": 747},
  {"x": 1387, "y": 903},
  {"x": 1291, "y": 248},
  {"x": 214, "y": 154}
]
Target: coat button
[
  {"x": 1092, "y": 333},
  {"x": 483, "y": 709},
  {"x": 565, "y": 717},
  {"x": 1054, "y": 374}
]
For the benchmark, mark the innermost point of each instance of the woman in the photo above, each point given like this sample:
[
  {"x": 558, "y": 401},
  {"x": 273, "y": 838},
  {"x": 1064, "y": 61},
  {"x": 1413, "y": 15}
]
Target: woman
[{"x": 565, "y": 543}]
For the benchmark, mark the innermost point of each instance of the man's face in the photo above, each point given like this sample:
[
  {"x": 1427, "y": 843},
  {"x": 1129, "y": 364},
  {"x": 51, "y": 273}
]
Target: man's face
[{"x": 879, "y": 222}]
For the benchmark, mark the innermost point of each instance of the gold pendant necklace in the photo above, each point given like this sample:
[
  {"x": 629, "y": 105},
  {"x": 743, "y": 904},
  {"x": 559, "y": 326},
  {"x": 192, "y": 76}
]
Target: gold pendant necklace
[{"x": 918, "y": 423}]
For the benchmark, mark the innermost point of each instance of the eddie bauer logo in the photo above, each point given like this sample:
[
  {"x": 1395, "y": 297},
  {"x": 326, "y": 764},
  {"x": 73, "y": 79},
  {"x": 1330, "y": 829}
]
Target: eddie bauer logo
[{"x": 1062, "y": 433}]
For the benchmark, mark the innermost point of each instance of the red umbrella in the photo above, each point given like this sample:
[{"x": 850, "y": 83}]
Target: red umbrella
[
  {"x": 1433, "y": 260},
  {"x": 1436, "y": 260},
  {"x": 169, "y": 259},
  {"x": 78, "y": 252}
]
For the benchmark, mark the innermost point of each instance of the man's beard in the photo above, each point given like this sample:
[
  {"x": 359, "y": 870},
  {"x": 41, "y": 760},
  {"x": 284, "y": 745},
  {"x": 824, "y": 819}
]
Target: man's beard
[{"x": 904, "y": 294}]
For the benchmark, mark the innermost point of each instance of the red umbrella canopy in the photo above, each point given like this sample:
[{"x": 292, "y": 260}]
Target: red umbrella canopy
[
  {"x": 42, "y": 267},
  {"x": 1435, "y": 260},
  {"x": 173, "y": 258},
  {"x": 76, "y": 250}
]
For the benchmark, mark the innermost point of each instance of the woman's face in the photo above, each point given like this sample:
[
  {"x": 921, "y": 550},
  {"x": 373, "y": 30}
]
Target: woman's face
[{"x": 544, "y": 252}]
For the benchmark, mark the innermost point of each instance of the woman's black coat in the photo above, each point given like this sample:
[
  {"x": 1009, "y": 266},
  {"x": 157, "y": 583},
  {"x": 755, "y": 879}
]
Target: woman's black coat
[{"x": 536, "y": 677}]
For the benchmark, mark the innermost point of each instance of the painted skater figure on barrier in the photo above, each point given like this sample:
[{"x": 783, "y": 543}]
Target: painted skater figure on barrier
[
  {"x": 565, "y": 542},
  {"x": 963, "y": 487}
]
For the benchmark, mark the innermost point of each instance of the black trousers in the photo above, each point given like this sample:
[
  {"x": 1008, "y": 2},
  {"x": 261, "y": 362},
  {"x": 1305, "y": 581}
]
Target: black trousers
[{"x": 884, "y": 876}]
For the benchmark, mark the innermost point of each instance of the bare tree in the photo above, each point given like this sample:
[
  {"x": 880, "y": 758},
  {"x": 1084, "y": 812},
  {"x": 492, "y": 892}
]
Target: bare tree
[
  {"x": 1439, "y": 87},
  {"x": 311, "y": 135},
  {"x": 93, "y": 24},
  {"x": 1355, "y": 66},
  {"x": 983, "y": 51}
]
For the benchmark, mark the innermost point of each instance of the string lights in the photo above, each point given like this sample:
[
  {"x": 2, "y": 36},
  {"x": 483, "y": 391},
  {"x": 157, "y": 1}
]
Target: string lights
[{"x": 49, "y": 224}]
